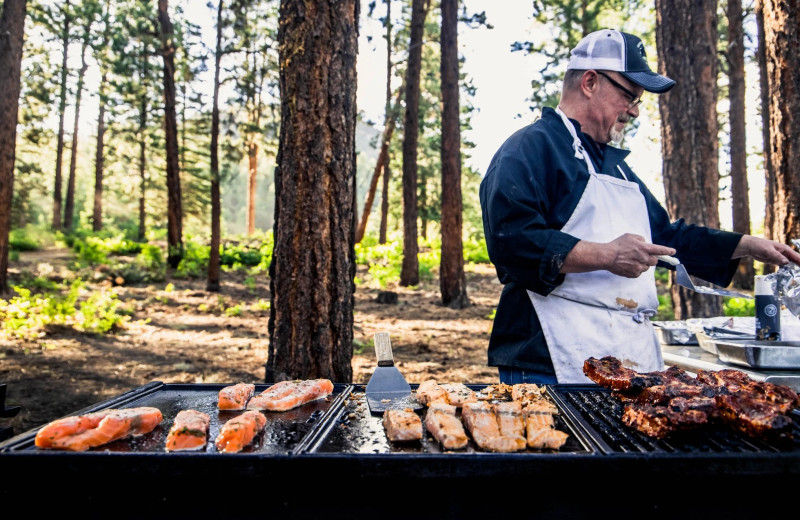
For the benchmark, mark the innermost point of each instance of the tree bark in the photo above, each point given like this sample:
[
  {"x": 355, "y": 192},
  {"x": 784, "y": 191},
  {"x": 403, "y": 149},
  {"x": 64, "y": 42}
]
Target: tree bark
[
  {"x": 409, "y": 271},
  {"x": 69, "y": 203},
  {"x": 738, "y": 145},
  {"x": 12, "y": 30},
  {"x": 782, "y": 39},
  {"x": 388, "y": 131},
  {"x": 99, "y": 159},
  {"x": 252, "y": 168},
  {"x": 62, "y": 108},
  {"x": 174, "y": 202},
  {"x": 452, "y": 280},
  {"x": 313, "y": 264},
  {"x": 212, "y": 280},
  {"x": 769, "y": 170},
  {"x": 387, "y": 172},
  {"x": 686, "y": 36}
]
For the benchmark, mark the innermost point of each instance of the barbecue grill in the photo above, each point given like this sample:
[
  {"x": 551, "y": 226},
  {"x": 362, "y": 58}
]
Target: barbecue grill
[{"x": 331, "y": 459}]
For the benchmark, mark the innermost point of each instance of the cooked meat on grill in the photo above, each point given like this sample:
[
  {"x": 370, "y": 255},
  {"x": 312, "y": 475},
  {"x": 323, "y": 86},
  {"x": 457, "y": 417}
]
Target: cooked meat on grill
[
  {"x": 240, "y": 431},
  {"x": 287, "y": 395},
  {"x": 81, "y": 433},
  {"x": 754, "y": 417},
  {"x": 445, "y": 427},
  {"x": 526, "y": 392},
  {"x": 664, "y": 402},
  {"x": 235, "y": 397},
  {"x": 430, "y": 392},
  {"x": 484, "y": 426},
  {"x": 510, "y": 418},
  {"x": 189, "y": 431},
  {"x": 546, "y": 439},
  {"x": 402, "y": 425},
  {"x": 660, "y": 421},
  {"x": 496, "y": 392},
  {"x": 458, "y": 394}
]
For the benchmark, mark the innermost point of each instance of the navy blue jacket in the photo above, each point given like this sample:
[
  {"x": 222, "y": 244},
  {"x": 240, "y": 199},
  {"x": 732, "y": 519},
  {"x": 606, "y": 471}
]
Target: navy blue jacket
[{"x": 530, "y": 190}]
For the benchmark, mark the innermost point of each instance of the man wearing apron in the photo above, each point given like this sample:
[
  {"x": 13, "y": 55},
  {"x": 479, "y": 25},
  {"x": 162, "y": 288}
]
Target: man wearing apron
[{"x": 574, "y": 234}]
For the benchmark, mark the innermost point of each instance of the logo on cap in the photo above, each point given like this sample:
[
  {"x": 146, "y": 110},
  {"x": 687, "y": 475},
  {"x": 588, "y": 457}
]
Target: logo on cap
[{"x": 640, "y": 46}]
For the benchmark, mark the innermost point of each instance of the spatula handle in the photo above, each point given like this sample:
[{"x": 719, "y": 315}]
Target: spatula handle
[
  {"x": 383, "y": 349},
  {"x": 668, "y": 259}
]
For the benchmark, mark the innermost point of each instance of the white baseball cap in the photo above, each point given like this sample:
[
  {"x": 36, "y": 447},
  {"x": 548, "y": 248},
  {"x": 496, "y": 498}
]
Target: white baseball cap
[{"x": 609, "y": 49}]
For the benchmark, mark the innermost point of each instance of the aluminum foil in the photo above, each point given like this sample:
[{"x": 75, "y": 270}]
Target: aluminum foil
[{"x": 786, "y": 285}]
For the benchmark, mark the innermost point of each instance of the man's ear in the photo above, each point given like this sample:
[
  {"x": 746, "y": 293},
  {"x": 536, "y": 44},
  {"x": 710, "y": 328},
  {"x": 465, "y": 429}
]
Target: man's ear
[{"x": 589, "y": 83}]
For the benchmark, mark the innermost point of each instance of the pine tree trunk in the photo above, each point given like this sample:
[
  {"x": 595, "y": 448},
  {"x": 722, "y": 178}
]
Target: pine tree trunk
[
  {"x": 62, "y": 108},
  {"x": 12, "y": 22},
  {"x": 686, "y": 36},
  {"x": 452, "y": 280},
  {"x": 769, "y": 170},
  {"x": 69, "y": 203},
  {"x": 387, "y": 173},
  {"x": 99, "y": 160},
  {"x": 313, "y": 264},
  {"x": 782, "y": 38},
  {"x": 212, "y": 280},
  {"x": 409, "y": 271},
  {"x": 174, "y": 203},
  {"x": 739, "y": 186},
  {"x": 252, "y": 168},
  {"x": 143, "y": 111}
]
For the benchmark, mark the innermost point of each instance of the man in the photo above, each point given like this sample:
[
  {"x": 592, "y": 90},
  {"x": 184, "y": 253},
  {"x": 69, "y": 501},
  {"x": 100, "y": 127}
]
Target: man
[{"x": 574, "y": 234}]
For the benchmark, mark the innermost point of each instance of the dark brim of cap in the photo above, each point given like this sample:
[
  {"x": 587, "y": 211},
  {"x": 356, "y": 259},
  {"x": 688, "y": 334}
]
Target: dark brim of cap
[{"x": 650, "y": 81}]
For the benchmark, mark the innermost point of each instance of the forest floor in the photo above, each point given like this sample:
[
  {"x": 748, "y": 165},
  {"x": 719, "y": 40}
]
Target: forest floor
[{"x": 183, "y": 334}]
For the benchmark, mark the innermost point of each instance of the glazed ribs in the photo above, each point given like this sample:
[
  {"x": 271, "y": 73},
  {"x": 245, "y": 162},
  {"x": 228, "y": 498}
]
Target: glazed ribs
[{"x": 662, "y": 403}]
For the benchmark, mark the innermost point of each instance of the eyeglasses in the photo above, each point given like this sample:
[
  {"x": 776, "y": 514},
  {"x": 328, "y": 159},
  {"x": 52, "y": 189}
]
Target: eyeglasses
[{"x": 633, "y": 100}]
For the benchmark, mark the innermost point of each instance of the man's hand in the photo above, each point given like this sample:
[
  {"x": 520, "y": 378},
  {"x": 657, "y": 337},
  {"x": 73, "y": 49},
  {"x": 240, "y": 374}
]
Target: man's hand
[
  {"x": 767, "y": 251},
  {"x": 628, "y": 255}
]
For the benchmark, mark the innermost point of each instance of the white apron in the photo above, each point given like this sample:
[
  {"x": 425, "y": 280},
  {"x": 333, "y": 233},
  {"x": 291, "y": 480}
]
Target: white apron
[{"x": 599, "y": 313}]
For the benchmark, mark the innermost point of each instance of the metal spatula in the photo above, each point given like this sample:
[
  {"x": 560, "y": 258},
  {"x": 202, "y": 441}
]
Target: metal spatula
[
  {"x": 684, "y": 280},
  {"x": 387, "y": 388}
]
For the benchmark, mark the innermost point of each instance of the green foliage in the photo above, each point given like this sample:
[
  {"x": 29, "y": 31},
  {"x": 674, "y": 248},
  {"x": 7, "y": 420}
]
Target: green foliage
[
  {"x": 665, "y": 311},
  {"x": 18, "y": 240},
  {"x": 662, "y": 275},
  {"x": 195, "y": 260},
  {"x": 475, "y": 251},
  {"x": 384, "y": 260},
  {"x": 739, "y": 307},
  {"x": 29, "y": 315}
]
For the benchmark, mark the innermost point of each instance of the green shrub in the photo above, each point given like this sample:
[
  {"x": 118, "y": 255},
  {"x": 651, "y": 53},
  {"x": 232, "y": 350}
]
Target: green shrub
[
  {"x": 665, "y": 311},
  {"x": 18, "y": 240},
  {"x": 739, "y": 307},
  {"x": 475, "y": 251}
]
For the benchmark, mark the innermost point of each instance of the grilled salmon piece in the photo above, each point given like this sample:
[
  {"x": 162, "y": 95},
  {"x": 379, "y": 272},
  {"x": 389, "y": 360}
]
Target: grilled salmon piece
[
  {"x": 458, "y": 394},
  {"x": 430, "y": 392},
  {"x": 526, "y": 392},
  {"x": 235, "y": 397},
  {"x": 546, "y": 438},
  {"x": 290, "y": 394},
  {"x": 510, "y": 418},
  {"x": 240, "y": 431},
  {"x": 445, "y": 427},
  {"x": 189, "y": 431},
  {"x": 402, "y": 425},
  {"x": 87, "y": 432},
  {"x": 483, "y": 424}
]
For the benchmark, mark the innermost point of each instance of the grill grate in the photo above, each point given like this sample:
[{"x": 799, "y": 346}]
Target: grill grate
[{"x": 596, "y": 410}]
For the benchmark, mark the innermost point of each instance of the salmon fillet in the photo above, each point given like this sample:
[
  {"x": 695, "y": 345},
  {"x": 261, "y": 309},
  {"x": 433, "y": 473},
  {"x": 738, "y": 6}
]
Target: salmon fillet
[
  {"x": 546, "y": 438},
  {"x": 240, "y": 431},
  {"x": 290, "y": 394},
  {"x": 483, "y": 425},
  {"x": 189, "y": 431},
  {"x": 526, "y": 392},
  {"x": 84, "y": 432},
  {"x": 510, "y": 418},
  {"x": 402, "y": 425},
  {"x": 458, "y": 394},
  {"x": 235, "y": 397},
  {"x": 445, "y": 427},
  {"x": 430, "y": 392}
]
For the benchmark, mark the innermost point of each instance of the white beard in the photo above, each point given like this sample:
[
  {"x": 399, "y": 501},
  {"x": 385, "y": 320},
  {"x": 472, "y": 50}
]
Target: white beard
[{"x": 615, "y": 136}]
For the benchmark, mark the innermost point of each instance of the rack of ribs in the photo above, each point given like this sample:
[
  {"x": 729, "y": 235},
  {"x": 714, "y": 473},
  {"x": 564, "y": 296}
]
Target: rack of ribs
[{"x": 661, "y": 403}]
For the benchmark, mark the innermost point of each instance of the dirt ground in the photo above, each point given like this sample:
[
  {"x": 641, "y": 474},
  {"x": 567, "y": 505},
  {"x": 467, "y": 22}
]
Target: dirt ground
[{"x": 189, "y": 338}]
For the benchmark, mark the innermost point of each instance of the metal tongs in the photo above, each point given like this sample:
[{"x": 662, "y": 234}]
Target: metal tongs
[{"x": 684, "y": 280}]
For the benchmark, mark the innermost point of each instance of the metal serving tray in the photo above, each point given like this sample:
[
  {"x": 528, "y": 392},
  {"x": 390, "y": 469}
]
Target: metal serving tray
[
  {"x": 674, "y": 333},
  {"x": 759, "y": 354}
]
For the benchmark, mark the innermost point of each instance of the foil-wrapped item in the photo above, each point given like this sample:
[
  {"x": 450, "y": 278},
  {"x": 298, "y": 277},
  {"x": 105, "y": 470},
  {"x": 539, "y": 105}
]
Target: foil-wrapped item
[{"x": 786, "y": 286}]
